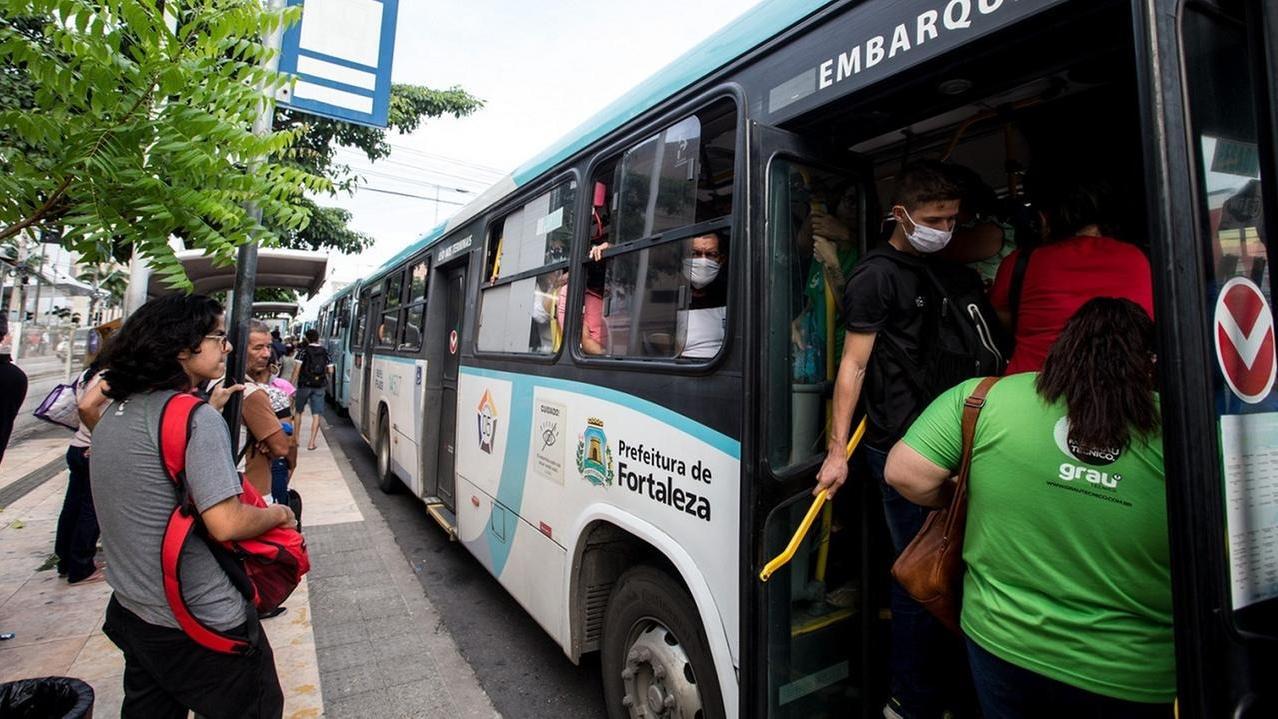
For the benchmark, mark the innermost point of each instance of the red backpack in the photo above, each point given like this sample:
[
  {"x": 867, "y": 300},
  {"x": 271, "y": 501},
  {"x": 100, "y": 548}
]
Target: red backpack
[{"x": 266, "y": 569}]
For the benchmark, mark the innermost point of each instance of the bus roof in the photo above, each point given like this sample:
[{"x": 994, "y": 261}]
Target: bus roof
[{"x": 751, "y": 29}]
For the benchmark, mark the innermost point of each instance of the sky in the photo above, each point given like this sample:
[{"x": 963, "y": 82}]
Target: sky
[{"x": 541, "y": 68}]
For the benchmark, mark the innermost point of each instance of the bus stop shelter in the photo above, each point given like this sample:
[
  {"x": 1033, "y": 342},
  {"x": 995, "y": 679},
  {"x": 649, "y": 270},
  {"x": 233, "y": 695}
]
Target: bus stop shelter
[{"x": 300, "y": 270}]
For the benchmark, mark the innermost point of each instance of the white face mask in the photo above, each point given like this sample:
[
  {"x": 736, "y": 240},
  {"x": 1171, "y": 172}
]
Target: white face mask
[
  {"x": 700, "y": 271},
  {"x": 926, "y": 239}
]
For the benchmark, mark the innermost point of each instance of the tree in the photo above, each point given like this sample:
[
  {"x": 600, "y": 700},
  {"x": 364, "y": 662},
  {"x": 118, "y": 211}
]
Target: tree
[
  {"x": 123, "y": 132},
  {"x": 319, "y": 138}
]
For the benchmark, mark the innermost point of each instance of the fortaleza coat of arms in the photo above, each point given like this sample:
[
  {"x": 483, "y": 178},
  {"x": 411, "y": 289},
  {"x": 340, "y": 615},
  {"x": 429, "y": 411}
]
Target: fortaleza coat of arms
[{"x": 594, "y": 457}]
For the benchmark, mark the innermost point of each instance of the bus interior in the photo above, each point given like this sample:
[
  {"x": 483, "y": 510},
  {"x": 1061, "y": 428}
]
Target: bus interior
[{"x": 1056, "y": 93}]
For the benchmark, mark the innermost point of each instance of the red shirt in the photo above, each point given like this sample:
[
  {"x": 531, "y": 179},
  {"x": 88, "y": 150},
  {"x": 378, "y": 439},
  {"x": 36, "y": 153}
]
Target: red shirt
[{"x": 1061, "y": 277}]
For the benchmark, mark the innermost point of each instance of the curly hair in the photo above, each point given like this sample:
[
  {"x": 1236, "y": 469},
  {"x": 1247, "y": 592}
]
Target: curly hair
[
  {"x": 1102, "y": 364},
  {"x": 143, "y": 355}
]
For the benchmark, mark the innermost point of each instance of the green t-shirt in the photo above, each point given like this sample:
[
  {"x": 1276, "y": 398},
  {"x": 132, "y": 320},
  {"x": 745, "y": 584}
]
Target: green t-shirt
[{"x": 1067, "y": 561}]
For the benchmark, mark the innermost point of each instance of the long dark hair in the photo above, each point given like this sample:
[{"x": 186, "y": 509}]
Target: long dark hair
[
  {"x": 1103, "y": 366},
  {"x": 143, "y": 355}
]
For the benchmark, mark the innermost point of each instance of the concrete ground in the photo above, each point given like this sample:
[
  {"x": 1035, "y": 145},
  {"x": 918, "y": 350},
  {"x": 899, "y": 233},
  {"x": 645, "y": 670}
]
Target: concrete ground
[{"x": 360, "y": 637}]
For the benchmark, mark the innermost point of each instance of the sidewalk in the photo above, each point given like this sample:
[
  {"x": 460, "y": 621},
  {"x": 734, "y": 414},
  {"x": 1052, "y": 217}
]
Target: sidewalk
[{"x": 359, "y": 638}]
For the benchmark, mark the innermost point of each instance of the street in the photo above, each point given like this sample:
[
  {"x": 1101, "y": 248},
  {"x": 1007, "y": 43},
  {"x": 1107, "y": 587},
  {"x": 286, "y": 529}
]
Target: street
[
  {"x": 523, "y": 671},
  {"x": 43, "y": 374}
]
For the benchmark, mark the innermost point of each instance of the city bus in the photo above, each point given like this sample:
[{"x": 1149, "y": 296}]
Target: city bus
[
  {"x": 334, "y": 326},
  {"x": 536, "y": 389}
]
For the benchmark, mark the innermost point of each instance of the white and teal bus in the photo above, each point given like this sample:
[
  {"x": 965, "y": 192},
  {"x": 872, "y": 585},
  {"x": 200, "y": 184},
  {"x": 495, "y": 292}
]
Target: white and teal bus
[
  {"x": 334, "y": 324},
  {"x": 542, "y": 404}
]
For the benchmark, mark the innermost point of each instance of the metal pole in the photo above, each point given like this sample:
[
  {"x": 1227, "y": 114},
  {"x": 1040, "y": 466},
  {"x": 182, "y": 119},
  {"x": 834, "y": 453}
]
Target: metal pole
[{"x": 246, "y": 259}]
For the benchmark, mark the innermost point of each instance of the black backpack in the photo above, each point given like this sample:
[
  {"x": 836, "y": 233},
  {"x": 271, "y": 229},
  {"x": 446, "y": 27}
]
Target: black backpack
[
  {"x": 962, "y": 337},
  {"x": 314, "y": 372}
]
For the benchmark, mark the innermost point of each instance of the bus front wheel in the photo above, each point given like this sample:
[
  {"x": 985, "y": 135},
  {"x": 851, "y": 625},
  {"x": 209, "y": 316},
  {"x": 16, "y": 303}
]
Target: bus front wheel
[{"x": 656, "y": 659}]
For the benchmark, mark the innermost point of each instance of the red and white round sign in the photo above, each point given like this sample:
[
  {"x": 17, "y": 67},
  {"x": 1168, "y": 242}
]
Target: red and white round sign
[
  {"x": 1244, "y": 332},
  {"x": 452, "y": 342}
]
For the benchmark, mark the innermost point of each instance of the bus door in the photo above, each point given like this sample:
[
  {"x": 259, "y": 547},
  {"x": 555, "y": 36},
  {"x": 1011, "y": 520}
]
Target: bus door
[
  {"x": 1209, "y": 90},
  {"x": 372, "y": 318},
  {"x": 812, "y": 617},
  {"x": 454, "y": 322}
]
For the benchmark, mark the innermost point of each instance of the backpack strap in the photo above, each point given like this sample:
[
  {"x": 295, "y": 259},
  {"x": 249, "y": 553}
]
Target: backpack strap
[
  {"x": 175, "y": 431},
  {"x": 1018, "y": 284}
]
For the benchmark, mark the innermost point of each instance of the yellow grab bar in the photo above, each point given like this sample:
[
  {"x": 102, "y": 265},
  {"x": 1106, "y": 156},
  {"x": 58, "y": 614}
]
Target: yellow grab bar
[{"x": 788, "y": 553}]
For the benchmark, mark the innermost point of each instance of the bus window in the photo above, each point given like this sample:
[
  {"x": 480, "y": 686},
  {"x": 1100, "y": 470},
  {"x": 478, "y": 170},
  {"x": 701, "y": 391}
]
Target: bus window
[
  {"x": 415, "y": 309},
  {"x": 650, "y": 303},
  {"x": 392, "y": 315},
  {"x": 668, "y": 301},
  {"x": 357, "y": 336},
  {"x": 1223, "y": 110},
  {"x": 677, "y": 177},
  {"x": 805, "y": 339},
  {"x": 527, "y": 249}
]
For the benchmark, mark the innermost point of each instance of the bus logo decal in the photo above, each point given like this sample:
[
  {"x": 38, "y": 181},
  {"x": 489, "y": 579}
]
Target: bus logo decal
[
  {"x": 594, "y": 457},
  {"x": 486, "y": 414}
]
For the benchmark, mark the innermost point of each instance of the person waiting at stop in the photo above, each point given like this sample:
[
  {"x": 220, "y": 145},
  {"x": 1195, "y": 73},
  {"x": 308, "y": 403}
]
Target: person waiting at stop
[
  {"x": 1081, "y": 259},
  {"x": 1067, "y": 594}
]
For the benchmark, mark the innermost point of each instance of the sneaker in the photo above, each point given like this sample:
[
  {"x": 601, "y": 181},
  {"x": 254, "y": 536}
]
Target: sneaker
[
  {"x": 97, "y": 576},
  {"x": 889, "y": 710}
]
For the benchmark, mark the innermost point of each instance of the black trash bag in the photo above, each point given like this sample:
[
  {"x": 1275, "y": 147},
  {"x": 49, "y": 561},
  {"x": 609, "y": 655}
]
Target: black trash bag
[{"x": 60, "y": 697}]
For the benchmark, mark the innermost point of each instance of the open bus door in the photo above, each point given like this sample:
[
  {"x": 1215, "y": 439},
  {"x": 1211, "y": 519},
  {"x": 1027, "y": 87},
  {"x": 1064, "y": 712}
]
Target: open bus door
[
  {"x": 1209, "y": 82},
  {"x": 372, "y": 317},
  {"x": 812, "y": 619}
]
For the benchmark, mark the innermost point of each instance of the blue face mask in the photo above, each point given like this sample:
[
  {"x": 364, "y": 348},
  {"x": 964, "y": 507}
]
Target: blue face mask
[{"x": 926, "y": 239}]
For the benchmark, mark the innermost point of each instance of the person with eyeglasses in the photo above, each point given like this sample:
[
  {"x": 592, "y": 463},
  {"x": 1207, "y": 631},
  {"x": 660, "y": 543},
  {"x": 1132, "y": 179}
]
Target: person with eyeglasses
[
  {"x": 699, "y": 330},
  {"x": 172, "y": 345}
]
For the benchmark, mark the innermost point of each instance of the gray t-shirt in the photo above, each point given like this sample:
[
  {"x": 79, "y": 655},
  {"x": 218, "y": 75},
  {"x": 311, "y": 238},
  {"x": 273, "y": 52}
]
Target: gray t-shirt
[{"x": 134, "y": 498}]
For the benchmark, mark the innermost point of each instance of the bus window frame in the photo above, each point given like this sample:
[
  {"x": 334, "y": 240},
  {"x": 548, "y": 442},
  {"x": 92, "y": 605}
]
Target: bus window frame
[
  {"x": 411, "y": 305},
  {"x": 866, "y": 210},
  {"x": 515, "y": 203},
  {"x": 734, "y": 223}
]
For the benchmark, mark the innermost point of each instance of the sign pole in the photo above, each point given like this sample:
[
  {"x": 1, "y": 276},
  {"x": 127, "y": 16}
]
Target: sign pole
[{"x": 246, "y": 261}]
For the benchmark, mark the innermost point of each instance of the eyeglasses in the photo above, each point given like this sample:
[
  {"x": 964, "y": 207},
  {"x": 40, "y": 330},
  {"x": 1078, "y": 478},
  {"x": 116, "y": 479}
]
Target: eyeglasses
[
  {"x": 707, "y": 254},
  {"x": 223, "y": 342}
]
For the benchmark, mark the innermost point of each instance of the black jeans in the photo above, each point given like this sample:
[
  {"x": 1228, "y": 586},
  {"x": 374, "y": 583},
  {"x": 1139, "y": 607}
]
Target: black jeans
[
  {"x": 166, "y": 673},
  {"x": 77, "y": 539},
  {"x": 928, "y": 675},
  {"x": 1006, "y": 691}
]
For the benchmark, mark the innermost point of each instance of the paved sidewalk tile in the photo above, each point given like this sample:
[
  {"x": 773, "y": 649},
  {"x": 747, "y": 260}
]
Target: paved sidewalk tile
[{"x": 359, "y": 638}]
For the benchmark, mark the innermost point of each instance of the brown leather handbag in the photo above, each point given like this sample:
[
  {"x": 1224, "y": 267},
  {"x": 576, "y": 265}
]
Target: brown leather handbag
[{"x": 931, "y": 567}]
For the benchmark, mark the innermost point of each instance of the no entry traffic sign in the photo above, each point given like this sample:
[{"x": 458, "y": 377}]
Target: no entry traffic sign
[{"x": 1244, "y": 332}]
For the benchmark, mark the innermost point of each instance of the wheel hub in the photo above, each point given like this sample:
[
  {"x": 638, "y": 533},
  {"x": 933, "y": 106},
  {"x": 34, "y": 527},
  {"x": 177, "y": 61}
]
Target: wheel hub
[{"x": 658, "y": 678}]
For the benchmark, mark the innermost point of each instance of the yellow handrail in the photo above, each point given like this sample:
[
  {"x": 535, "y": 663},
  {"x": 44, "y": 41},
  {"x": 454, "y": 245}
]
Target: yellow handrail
[{"x": 799, "y": 534}]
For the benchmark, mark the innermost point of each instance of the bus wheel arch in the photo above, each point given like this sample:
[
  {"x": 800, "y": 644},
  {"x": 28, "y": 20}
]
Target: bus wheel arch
[{"x": 610, "y": 565}]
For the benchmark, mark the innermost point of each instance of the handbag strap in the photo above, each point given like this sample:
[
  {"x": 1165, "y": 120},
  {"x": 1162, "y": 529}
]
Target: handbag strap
[{"x": 972, "y": 407}]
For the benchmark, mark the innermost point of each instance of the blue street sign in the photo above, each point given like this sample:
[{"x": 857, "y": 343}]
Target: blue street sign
[{"x": 341, "y": 54}]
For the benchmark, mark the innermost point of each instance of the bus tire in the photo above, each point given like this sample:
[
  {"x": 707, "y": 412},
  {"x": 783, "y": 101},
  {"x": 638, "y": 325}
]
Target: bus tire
[
  {"x": 386, "y": 480},
  {"x": 655, "y": 655}
]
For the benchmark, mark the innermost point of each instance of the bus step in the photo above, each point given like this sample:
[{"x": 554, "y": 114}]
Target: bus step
[{"x": 445, "y": 517}]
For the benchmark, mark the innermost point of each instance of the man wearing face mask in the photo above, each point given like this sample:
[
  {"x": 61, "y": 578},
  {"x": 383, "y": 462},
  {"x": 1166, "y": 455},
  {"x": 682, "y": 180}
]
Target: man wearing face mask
[
  {"x": 895, "y": 304},
  {"x": 701, "y": 327}
]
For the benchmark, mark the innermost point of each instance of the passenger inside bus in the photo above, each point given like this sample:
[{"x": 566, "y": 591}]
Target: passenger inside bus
[
  {"x": 700, "y": 328},
  {"x": 982, "y": 237},
  {"x": 1082, "y": 259},
  {"x": 827, "y": 243}
]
